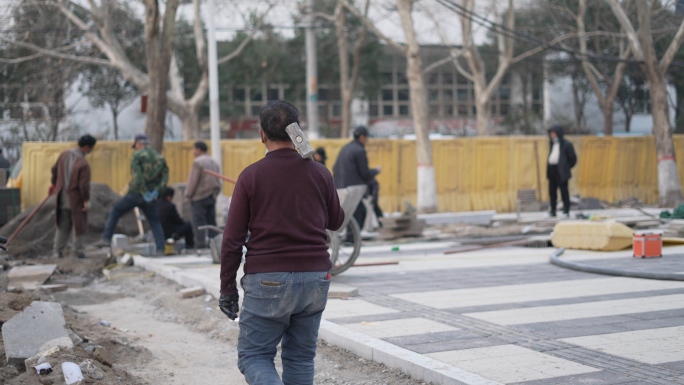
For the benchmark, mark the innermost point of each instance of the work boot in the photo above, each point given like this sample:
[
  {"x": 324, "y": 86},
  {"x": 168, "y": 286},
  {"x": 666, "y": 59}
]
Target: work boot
[{"x": 102, "y": 243}]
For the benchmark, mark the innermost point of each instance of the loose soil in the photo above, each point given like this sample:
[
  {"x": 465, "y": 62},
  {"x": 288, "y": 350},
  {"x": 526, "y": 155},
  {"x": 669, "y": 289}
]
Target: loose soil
[{"x": 156, "y": 337}]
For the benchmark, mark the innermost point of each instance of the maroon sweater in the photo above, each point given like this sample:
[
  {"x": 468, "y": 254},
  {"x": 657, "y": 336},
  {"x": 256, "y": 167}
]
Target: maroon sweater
[{"x": 286, "y": 203}]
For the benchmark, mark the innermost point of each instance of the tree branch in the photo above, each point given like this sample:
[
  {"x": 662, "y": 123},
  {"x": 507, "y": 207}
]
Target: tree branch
[
  {"x": 249, "y": 38},
  {"x": 626, "y": 24},
  {"x": 53, "y": 53},
  {"x": 672, "y": 49},
  {"x": 399, "y": 47},
  {"x": 436, "y": 65}
]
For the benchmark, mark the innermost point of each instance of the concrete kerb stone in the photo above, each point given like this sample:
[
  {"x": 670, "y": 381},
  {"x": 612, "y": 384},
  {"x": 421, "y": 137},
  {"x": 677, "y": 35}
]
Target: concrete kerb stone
[{"x": 418, "y": 366}]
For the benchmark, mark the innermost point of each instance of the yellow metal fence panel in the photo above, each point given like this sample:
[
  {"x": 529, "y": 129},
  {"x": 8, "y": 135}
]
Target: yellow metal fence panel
[{"x": 471, "y": 173}]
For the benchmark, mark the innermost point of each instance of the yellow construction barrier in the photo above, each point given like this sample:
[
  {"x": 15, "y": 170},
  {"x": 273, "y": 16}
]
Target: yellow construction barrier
[{"x": 471, "y": 173}]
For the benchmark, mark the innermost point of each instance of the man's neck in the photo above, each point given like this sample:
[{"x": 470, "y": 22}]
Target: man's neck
[{"x": 273, "y": 146}]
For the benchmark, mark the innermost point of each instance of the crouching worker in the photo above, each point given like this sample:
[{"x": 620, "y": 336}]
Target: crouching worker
[
  {"x": 174, "y": 226},
  {"x": 286, "y": 203}
]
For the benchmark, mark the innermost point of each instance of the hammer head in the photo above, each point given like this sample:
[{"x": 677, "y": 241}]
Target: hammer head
[{"x": 300, "y": 141}]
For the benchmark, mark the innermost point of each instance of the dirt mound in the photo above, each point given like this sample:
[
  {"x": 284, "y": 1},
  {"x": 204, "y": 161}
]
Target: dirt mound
[{"x": 38, "y": 235}]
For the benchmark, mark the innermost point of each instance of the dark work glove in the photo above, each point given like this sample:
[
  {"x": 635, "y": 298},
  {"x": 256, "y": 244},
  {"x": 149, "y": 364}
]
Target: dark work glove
[{"x": 229, "y": 305}]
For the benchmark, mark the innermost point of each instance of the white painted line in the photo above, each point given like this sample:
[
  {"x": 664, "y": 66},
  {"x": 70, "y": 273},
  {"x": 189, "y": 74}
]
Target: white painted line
[{"x": 418, "y": 366}]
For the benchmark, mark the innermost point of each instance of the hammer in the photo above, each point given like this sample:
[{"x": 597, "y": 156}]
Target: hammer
[{"x": 300, "y": 141}]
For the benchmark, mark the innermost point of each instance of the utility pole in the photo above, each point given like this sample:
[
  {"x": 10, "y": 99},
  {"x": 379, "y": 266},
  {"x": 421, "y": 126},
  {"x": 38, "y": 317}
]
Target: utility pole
[
  {"x": 215, "y": 127},
  {"x": 311, "y": 74}
]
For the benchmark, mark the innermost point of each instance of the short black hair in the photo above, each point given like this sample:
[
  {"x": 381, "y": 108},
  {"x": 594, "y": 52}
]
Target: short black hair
[
  {"x": 275, "y": 116},
  {"x": 87, "y": 141},
  {"x": 361, "y": 131},
  {"x": 200, "y": 145},
  {"x": 168, "y": 192}
]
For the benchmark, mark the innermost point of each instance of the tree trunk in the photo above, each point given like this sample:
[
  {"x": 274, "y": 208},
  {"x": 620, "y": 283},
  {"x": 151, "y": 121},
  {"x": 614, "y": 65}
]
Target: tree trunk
[
  {"x": 190, "y": 123},
  {"x": 343, "y": 54},
  {"x": 115, "y": 114},
  {"x": 669, "y": 189},
  {"x": 427, "y": 191},
  {"x": 482, "y": 115},
  {"x": 159, "y": 44},
  {"x": 628, "y": 122},
  {"x": 607, "y": 108}
]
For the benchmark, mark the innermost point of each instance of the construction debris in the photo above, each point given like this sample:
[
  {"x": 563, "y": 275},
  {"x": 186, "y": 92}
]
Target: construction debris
[
  {"x": 38, "y": 235},
  {"x": 40, "y": 327},
  {"x": 675, "y": 229},
  {"x": 603, "y": 236},
  {"x": 29, "y": 277},
  {"x": 403, "y": 226},
  {"x": 192, "y": 292}
]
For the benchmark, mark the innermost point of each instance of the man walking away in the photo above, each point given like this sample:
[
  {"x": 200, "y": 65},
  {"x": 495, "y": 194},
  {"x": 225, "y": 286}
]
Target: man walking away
[
  {"x": 351, "y": 168},
  {"x": 4, "y": 168},
  {"x": 149, "y": 176},
  {"x": 71, "y": 183},
  {"x": 561, "y": 159},
  {"x": 201, "y": 191},
  {"x": 174, "y": 226},
  {"x": 286, "y": 203}
]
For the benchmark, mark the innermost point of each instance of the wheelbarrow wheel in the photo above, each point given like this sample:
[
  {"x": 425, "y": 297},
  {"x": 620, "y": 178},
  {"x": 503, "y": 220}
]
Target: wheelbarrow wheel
[{"x": 344, "y": 247}]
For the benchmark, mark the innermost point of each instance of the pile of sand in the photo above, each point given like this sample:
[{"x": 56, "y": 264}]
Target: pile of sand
[{"x": 37, "y": 236}]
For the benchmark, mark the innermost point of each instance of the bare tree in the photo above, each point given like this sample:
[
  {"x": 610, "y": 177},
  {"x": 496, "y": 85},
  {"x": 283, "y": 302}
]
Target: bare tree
[
  {"x": 99, "y": 31},
  {"x": 642, "y": 45},
  {"x": 487, "y": 83},
  {"x": 427, "y": 190},
  {"x": 606, "y": 94}
]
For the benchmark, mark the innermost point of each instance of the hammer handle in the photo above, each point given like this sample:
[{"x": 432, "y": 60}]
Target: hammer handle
[{"x": 209, "y": 172}]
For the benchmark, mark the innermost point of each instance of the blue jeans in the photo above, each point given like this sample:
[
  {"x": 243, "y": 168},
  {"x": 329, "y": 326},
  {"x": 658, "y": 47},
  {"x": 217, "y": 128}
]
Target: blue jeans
[
  {"x": 203, "y": 213},
  {"x": 281, "y": 306},
  {"x": 126, "y": 204}
]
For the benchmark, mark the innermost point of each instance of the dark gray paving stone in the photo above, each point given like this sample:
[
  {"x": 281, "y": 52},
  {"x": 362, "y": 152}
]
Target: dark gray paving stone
[
  {"x": 596, "y": 378},
  {"x": 677, "y": 366},
  {"x": 659, "y": 314},
  {"x": 443, "y": 346},
  {"x": 432, "y": 337},
  {"x": 25, "y": 333},
  {"x": 652, "y": 323},
  {"x": 550, "y": 330}
]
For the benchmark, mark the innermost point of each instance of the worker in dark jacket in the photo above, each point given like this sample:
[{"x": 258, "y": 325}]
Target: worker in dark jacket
[
  {"x": 174, "y": 226},
  {"x": 351, "y": 168},
  {"x": 561, "y": 159}
]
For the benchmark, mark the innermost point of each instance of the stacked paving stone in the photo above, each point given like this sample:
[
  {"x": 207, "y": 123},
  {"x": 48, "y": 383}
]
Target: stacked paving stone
[{"x": 675, "y": 229}]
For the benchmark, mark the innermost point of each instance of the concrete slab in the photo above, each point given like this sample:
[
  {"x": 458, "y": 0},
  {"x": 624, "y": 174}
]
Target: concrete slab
[
  {"x": 340, "y": 291},
  {"x": 468, "y": 217},
  {"x": 28, "y": 331},
  {"x": 337, "y": 308},
  {"x": 73, "y": 282},
  {"x": 401, "y": 327},
  {"x": 29, "y": 277}
]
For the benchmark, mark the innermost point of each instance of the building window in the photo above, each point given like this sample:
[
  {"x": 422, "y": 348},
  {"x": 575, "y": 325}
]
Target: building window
[
  {"x": 433, "y": 95},
  {"x": 373, "y": 109},
  {"x": 239, "y": 94},
  {"x": 447, "y": 95},
  {"x": 503, "y": 109},
  {"x": 337, "y": 110},
  {"x": 387, "y": 110},
  {"x": 256, "y": 110},
  {"x": 389, "y": 78},
  {"x": 462, "y": 110},
  {"x": 255, "y": 95},
  {"x": 401, "y": 78},
  {"x": 433, "y": 78},
  {"x": 449, "y": 111},
  {"x": 403, "y": 110},
  {"x": 434, "y": 110},
  {"x": 322, "y": 94},
  {"x": 504, "y": 93},
  {"x": 462, "y": 94},
  {"x": 388, "y": 95},
  {"x": 403, "y": 94},
  {"x": 273, "y": 94},
  {"x": 447, "y": 78}
]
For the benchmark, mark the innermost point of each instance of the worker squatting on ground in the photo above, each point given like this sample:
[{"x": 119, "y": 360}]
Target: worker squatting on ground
[
  {"x": 149, "y": 176},
  {"x": 286, "y": 203},
  {"x": 201, "y": 191},
  {"x": 71, "y": 182},
  {"x": 351, "y": 168},
  {"x": 174, "y": 226},
  {"x": 561, "y": 159}
]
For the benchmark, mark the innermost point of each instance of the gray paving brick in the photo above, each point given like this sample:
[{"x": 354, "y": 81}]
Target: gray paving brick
[
  {"x": 432, "y": 337},
  {"x": 443, "y": 346},
  {"x": 371, "y": 318},
  {"x": 659, "y": 314},
  {"x": 677, "y": 366},
  {"x": 551, "y": 330},
  {"x": 596, "y": 378}
]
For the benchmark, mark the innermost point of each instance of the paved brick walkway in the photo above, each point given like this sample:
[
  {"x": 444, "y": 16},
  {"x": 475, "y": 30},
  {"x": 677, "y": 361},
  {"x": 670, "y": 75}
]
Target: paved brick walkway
[
  {"x": 504, "y": 316},
  {"x": 519, "y": 320}
]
